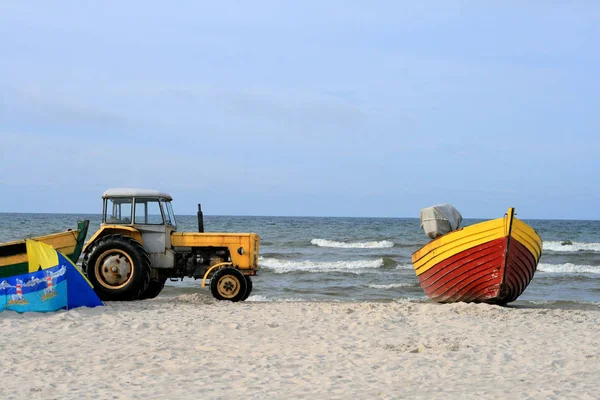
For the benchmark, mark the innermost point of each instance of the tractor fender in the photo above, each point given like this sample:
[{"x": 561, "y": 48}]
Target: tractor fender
[
  {"x": 208, "y": 271},
  {"x": 115, "y": 229}
]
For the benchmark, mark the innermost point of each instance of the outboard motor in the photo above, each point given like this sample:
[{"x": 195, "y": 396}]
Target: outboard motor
[{"x": 438, "y": 220}]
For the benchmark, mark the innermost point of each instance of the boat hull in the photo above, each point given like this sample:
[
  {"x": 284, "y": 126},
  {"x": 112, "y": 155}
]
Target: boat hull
[
  {"x": 13, "y": 255},
  {"x": 491, "y": 262}
]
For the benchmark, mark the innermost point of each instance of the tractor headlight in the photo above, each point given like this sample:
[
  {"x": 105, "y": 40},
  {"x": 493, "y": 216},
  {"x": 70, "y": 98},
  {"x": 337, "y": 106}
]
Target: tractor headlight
[{"x": 241, "y": 251}]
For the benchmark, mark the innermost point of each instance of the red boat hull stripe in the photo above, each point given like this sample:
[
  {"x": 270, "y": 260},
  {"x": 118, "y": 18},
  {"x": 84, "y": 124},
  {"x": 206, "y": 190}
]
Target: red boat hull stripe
[{"x": 478, "y": 275}]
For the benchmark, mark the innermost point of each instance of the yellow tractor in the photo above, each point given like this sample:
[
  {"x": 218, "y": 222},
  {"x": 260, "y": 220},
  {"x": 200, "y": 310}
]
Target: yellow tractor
[{"x": 138, "y": 248}]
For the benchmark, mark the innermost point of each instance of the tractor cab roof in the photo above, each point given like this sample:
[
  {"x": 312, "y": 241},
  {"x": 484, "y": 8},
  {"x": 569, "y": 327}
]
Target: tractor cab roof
[{"x": 129, "y": 192}]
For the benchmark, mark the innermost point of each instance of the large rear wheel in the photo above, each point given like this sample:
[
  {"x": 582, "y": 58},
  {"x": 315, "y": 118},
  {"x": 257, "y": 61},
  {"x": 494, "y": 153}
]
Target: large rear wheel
[
  {"x": 118, "y": 267},
  {"x": 154, "y": 288},
  {"x": 228, "y": 284}
]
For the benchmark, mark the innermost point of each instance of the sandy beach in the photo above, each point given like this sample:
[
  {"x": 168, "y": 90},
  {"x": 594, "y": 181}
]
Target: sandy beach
[{"x": 192, "y": 346}]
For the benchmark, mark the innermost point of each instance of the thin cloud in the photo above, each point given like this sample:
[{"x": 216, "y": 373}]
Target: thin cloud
[{"x": 48, "y": 107}]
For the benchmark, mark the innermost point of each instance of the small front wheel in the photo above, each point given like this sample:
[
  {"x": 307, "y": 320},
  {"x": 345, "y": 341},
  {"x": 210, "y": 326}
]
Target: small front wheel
[{"x": 228, "y": 284}]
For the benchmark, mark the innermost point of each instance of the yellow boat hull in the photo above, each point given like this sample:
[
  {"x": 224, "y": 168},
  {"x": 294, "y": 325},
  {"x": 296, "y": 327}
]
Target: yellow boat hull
[{"x": 13, "y": 255}]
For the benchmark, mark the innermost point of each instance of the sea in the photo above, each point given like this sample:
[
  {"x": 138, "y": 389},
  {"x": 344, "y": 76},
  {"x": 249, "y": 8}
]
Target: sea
[{"x": 360, "y": 259}]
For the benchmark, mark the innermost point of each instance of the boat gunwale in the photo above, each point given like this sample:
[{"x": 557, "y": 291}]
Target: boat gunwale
[{"x": 41, "y": 238}]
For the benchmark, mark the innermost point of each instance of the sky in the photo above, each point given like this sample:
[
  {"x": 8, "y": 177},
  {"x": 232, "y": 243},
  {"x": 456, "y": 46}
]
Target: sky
[{"x": 303, "y": 108}]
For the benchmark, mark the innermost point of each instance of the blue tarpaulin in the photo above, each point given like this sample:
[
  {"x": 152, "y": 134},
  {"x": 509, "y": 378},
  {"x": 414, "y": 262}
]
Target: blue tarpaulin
[{"x": 54, "y": 283}]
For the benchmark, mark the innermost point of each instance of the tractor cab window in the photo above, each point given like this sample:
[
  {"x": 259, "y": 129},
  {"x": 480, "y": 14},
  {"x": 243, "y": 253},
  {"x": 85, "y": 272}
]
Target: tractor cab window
[
  {"x": 147, "y": 212},
  {"x": 117, "y": 211},
  {"x": 169, "y": 216}
]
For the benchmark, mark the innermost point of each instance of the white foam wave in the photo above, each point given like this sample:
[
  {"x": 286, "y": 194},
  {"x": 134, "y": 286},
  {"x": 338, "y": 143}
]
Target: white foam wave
[
  {"x": 261, "y": 298},
  {"x": 568, "y": 268},
  {"x": 358, "y": 245},
  {"x": 283, "y": 266},
  {"x": 291, "y": 300},
  {"x": 576, "y": 246},
  {"x": 391, "y": 286},
  {"x": 411, "y": 299},
  {"x": 551, "y": 302},
  {"x": 257, "y": 297},
  {"x": 542, "y": 302}
]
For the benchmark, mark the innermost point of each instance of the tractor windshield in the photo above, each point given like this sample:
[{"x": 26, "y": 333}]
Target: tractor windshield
[{"x": 169, "y": 216}]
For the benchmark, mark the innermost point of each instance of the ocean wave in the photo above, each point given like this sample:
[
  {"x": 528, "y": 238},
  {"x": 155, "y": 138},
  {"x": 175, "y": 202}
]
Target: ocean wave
[
  {"x": 389, "y": 262},
  {"x": 289, "y": 255},
  {"x": 574, "y": 246},
  {"x": 260, "y": 298},
  {"x": 383, "y": 244},
  {"x": 257, "y": 297},
  {"x": 568, "y": 268},
  {"x": 562, "y": 303},
  {"x": 284, "y": 266},
  {"x": 411, "y": 299},
  {"x": 391, "y": 285}
]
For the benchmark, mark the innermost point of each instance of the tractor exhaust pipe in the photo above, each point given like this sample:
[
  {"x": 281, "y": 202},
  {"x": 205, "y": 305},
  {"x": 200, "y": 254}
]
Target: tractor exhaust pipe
[{"x": 200, "y": 220}]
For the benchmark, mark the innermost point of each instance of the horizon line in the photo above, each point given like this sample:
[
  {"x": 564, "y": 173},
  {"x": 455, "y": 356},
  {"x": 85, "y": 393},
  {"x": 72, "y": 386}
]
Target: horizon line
[{"x": 299, "y": 216}]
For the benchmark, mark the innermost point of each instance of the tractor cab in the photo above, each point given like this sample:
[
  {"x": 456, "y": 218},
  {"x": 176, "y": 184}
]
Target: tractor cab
[
  {"x": 145, "y": 215},
  {"x": 137, "y": 207}
]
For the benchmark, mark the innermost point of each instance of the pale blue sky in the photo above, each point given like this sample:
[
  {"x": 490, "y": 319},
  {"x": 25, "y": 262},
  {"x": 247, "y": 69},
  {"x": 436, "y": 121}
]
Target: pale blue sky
[{"x": 324, "y": 108}]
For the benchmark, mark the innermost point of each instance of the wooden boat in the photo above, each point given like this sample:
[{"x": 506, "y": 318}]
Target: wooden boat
[
  {"x": 13, "y": 255},
  {"x": 489, "y": 262}
]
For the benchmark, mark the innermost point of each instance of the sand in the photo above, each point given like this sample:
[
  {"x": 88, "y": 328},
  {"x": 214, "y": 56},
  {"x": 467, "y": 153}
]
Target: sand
[{"x": 192, "y": 347}]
